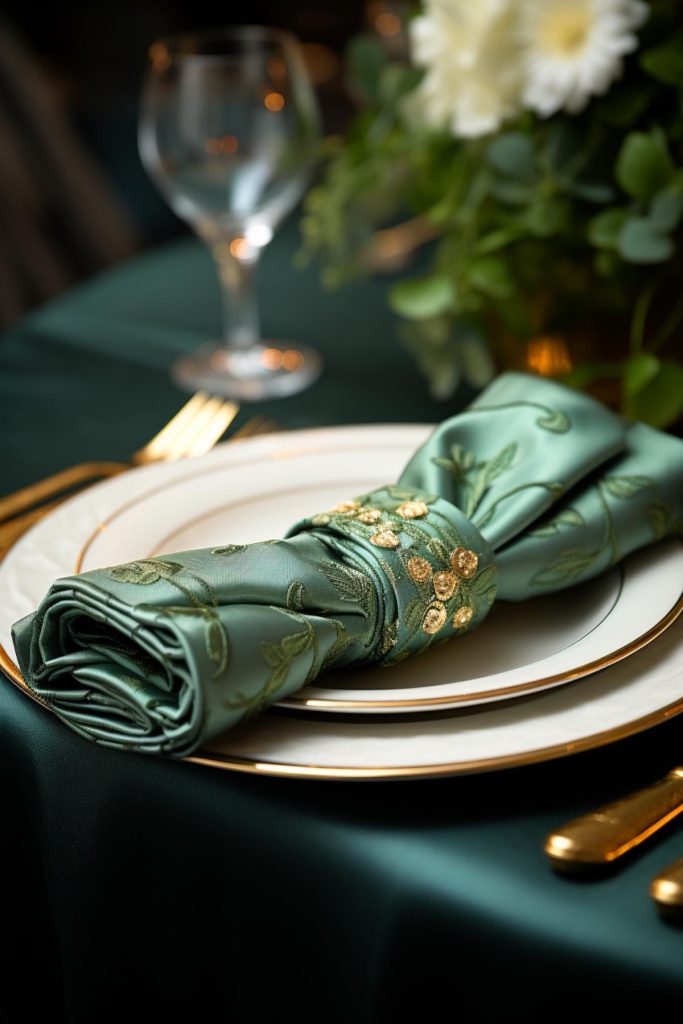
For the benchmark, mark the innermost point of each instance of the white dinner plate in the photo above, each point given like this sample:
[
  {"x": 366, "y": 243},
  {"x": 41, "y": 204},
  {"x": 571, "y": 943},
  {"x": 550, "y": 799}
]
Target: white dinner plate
[{"x": 254, "y": 490}]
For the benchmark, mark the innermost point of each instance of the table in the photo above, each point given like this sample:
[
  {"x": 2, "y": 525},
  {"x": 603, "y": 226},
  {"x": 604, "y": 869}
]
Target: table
[{"x": 133, "y": 885}]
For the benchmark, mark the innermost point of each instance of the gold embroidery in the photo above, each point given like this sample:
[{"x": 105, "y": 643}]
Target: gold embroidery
[
  {"x": 445, "y": 584},
  {"x": 369, "y": 516},
  {"x": 385, "y": 539},
  {"x": 419, "y": 569},
  {"x": 463, "y": 617},
  {"x": 434, "y": 618},
  {"x": 464, "y": 562},
  {"x": 346, "y": 508},
  {"x": 412, "y": 510}
]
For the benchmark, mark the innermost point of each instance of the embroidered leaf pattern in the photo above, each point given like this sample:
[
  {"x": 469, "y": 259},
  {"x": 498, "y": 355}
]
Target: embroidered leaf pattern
[
  {"x": 552, "y": 526},
  {"x": 350, "y": 584},
  {"x": 565, "y": 568},
  {"x": 144, "y": 571},
  {"x": 413, "y": 615},
  {"x": 627, "y": 486},
  {"x": 474, "y": 477},
  {"x": 391, "y": 575},
  {"x": 662, "y": 520},
  {"x": 229, "y": 549},
  {"x": 215, "y": 637},
  {"x": 484, "y": 580},
  {"x": 438, "y": 549},
  {"x": 279, "y": 658},
  {"x": 552, "y": 419},
  {"x": 296, "y": 596},
  {"x": 389, "y": 635},
  {"x": 555, "y": 421},
  {"x": 340, "y": 644}
]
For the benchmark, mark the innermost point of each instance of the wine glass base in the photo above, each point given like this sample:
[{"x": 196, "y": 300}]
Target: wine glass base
[{"x": 271, "y": 369}]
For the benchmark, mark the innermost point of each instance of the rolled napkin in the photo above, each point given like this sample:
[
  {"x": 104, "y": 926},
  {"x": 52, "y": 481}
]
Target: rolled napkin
[{"x": 533, "y": 488}]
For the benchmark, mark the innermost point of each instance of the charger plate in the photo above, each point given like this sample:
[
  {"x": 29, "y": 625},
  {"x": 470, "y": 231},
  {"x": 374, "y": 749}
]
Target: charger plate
[{"x": 254, "y": 490}]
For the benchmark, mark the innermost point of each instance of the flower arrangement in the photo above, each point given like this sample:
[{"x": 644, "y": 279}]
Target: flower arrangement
[{"x": 538, "y": 146}]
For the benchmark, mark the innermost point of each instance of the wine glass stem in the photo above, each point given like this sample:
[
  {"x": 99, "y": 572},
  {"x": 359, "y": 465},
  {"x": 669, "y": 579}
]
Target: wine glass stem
[{"x": 237, "y": 278}]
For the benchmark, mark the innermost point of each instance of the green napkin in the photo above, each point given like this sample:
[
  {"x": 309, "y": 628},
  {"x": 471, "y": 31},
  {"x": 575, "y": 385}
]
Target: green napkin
[{"x": 533, "y": 488}]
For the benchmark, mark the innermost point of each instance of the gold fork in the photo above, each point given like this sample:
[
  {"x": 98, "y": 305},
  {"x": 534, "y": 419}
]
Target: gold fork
[{"x": 194, "y": 430}]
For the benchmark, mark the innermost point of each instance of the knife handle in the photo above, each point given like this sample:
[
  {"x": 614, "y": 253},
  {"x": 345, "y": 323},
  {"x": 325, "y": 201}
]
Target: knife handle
[
  {"x": 666, "y": 889},
  {"x": 605, "y": 835}
]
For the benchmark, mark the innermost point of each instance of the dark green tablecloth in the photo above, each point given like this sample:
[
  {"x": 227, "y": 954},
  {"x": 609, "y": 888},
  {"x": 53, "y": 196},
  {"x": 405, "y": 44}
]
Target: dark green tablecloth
[{"x": 340, "y": 902}]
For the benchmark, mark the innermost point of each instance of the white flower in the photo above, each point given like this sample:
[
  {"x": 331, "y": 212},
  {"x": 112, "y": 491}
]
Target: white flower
[
  {"x": 473, "y": 60},
  {"x": 573, "y": 49}
]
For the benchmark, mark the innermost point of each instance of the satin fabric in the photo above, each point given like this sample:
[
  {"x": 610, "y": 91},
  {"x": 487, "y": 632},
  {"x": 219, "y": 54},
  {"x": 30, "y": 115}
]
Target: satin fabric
[{"x": 543, "y": 484}]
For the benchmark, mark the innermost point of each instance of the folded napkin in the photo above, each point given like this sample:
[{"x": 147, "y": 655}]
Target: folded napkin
[{"x": 533, "y": 488}]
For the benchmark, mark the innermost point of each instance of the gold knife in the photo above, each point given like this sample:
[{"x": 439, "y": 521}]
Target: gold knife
[
  {"x": 666, "y": 889},
  {"x": 601, "y": 837}
]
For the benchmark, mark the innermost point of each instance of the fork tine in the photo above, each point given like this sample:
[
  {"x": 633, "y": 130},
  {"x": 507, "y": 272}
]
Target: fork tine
[
  {"x": 256, "y": 425},
  {"x": 213, "y": 430},
  {"x": 155, "y": 448},
  {"x": 181, "y": 442}
]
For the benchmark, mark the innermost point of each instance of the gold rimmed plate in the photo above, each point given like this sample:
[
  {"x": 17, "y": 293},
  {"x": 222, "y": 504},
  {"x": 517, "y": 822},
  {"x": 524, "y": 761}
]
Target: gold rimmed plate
[{"x": 255, "y": 490}]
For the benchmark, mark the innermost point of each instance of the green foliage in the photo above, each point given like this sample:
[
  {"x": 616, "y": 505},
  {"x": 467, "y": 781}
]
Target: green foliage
[{"x": 548, "y": 226}]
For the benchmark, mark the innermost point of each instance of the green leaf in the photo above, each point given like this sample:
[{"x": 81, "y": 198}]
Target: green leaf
[
  {"x": 627, "y": 486},
  {"x": 438, "y": 549},
  {"x": 644, "y": 165},
  {"x": 493, "y": 241},
  {"x": 366, "y": 59},
  {"x": 413, "y": 615},
  {"x": 660, "y": 401},
  {"x": 566, "y": 517},
  {"x": 547, "y": 216},
  {"x": 665, "y": 62},
  {"x": 396, "y": 80},
  {"x": 512, "y": 155},
  {"x": 641, "y": 242},
  {"x": 216, "y": 644},
  {"x": 639, "y": 370},
  {"x": 598, "y": 192},
  {"x": 500, "y": 462},
  {"x": 272, "y": 654},
  {"x": 144, "y": 571},
  {"x": 512, "y": 193},
  {"x": 554, "y": 421},
  {"x": 603, "y": 230},
  {"x": 565, "y": 569},
  {"x": 350, "y": 584},
  {"x": 484, "y": 580},
  {"x": 295, "y": 596},
  {"x": 663, "y": 521},
  {"x": 666, "y": 210},
  {"x": 491, "y": 276},
  {"x": 422, "y": 297},
  {"x": 296, "y": 644},
  {"x": 228, "y": 549}
]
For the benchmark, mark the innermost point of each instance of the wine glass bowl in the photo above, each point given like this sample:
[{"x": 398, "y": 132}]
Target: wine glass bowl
[{"x": 229, "y": 132}]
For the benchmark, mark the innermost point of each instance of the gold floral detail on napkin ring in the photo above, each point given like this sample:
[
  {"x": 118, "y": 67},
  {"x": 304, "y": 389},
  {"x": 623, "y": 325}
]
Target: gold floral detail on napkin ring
[
  {"x": 369, "y": 516},
  {"x": 434, "y": 618},
  {"x": 412, "y": 510},
  {"x": 445, "y": 584},
  {"x": 345, "y": 508},
  {"x": 464, "y": 562},
  {"x": 463, "y": 617},
  {"x": 419, "y": 569},
  {"x": 385, "y": 539}
]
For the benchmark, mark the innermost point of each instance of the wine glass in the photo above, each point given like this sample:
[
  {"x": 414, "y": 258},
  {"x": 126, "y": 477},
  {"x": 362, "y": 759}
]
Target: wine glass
[{"x": 229, "y": 131}]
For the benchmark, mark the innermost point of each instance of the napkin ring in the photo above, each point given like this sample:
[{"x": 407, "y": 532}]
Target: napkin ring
[{"x": 434, "y": 572}]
